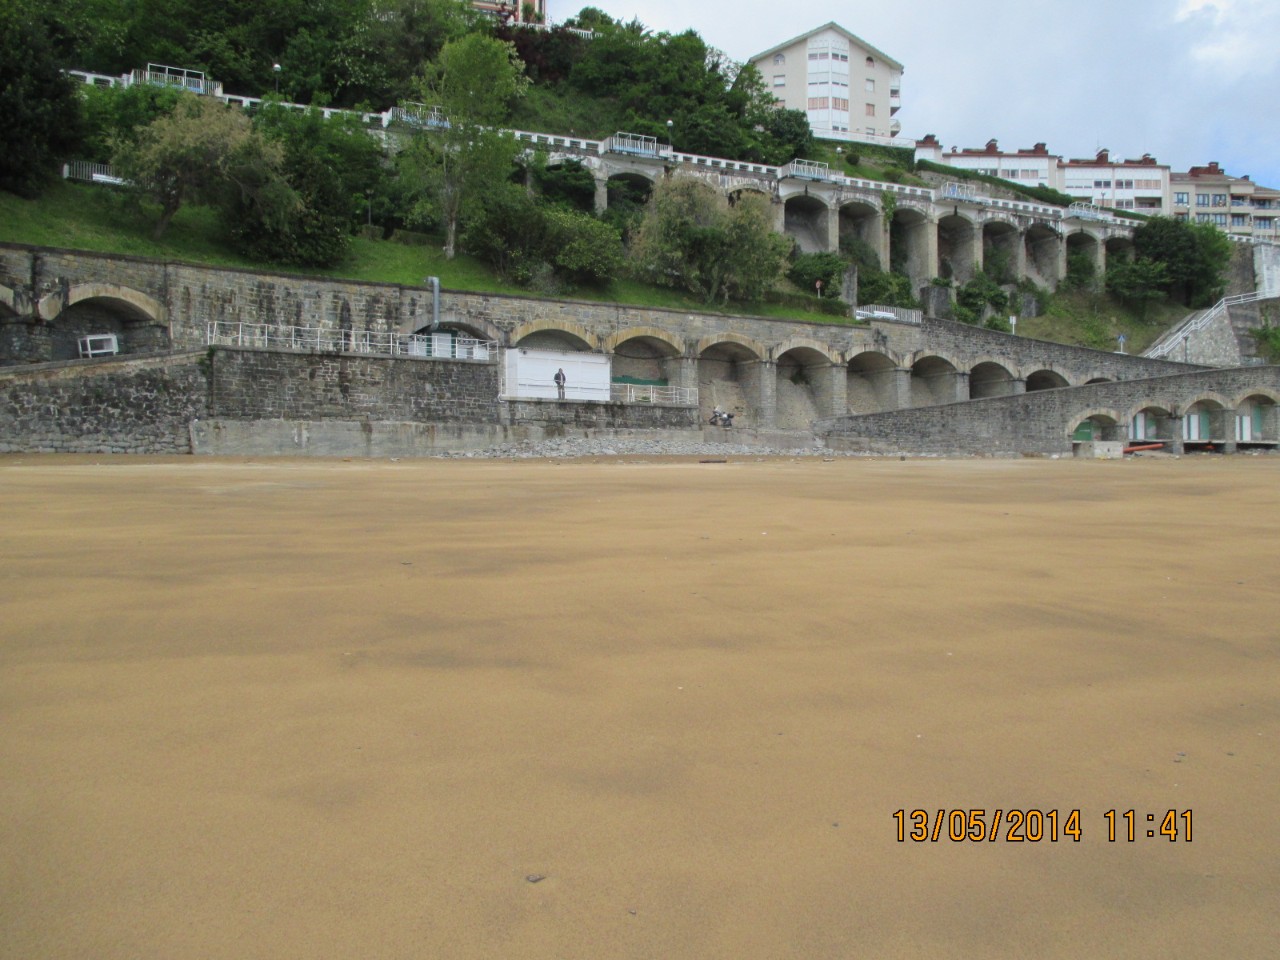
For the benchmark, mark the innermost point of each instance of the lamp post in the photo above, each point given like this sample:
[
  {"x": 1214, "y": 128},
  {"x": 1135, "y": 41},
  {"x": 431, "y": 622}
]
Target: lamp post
[
  {"x": 670, "y": 136},
  {"x": 369, "y": 196},
  {"x": 275, "y": 68}
]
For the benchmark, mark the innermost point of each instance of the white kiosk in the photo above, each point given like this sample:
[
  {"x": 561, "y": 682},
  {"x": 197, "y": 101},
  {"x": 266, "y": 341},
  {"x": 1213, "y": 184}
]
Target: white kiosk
[{"x": 530, "y": 374}]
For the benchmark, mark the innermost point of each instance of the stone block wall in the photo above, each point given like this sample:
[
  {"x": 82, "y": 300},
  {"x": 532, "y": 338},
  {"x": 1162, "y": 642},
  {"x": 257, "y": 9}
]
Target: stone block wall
[
  {"x": 249, "y": 384},
  {"x": 552, "y": 414},
  {"x": 104, "y": 406},
  {"x": 1039, "y": 422}
]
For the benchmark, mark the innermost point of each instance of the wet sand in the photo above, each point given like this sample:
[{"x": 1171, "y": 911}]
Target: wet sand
[{"x": 355, "y": 709}]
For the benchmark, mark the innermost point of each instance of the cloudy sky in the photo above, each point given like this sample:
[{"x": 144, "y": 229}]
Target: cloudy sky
[{"x": 1187, "y": 81}]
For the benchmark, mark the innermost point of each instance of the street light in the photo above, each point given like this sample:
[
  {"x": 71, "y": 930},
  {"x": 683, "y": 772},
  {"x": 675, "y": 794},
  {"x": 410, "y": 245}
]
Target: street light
[
  {"x": 275, "y": 68},
  {"x": 670, "y": 137}
]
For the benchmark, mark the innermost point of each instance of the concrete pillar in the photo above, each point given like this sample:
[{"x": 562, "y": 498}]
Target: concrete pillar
[
  {"x": 681, "y": 372},
  {"x": 1017, "y": 385},
  {"x": 1018, "y": 262},
  {"x": 760, "y": 389},
  {"x": 779, "y": 217},
  {"x": 962, "y": 384},
  {"x": 882, "y": 244},
  {"x": 1100, "y": 264},
  {"x": 831, "y": 389},
  {"x": 1061, "y": 260},
  {"x": 833, "y": 229},
  {"x": 602, "y": 196},
  {"x": 1228, "y": 430},
  {"x": 900, "y": 388},
  {"x": 979, "y": 249},
  {"x": 930, "y": 265},
  {"x": 1175, "y": 444}
]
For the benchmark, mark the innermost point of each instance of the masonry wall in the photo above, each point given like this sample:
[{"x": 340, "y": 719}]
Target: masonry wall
[
  {"x": 249, "y": 384},
  {"x": 108, "y": 406},
  {"x": 1039, "y": 422}
]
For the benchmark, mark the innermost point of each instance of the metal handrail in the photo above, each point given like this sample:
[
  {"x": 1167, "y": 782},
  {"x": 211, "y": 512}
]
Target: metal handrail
[
  {"x": 646, "y": 393},
  {"x": 1165, "y": 344},
  {"x": 439, "y": 346}
]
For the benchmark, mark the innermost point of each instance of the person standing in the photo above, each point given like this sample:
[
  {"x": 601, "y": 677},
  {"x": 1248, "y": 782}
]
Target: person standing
[{"x": 560, "y": 381}]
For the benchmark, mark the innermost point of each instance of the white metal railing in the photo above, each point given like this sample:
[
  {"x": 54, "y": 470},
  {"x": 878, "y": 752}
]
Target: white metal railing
[
  {"x": 880, "y": 311},
  {"x": 439, "y": 346},
  {"x": 805, "y": 170},
  {"x": 954, "y": 190},
  {"x": 631, "y": 144},
  {"x": 91, "y": 172},
  {"x": 417, "y": 115},
  {"x": 644, "y": 393},
  {"x": 1179, "y": 334}
]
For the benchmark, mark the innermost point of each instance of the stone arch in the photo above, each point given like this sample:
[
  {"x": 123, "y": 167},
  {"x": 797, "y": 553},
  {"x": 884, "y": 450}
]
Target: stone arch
[
  {"x": 676, "y": 344},
  {"x": 805, "y": 220},
  {"x": 629, "y": 188},
  {"x": 1042, "y": 248},
  {"x": 799, "y": 343},
  {"x": 645, "y": 355},
  {"x": 909, "y": 246},
  {"x": 1000, "y": 249},
  {"x": 737, "y": 193},
  {"x": 804, "y": 374},
  {"x": 1045, "y": 379},
  {"x": 475, "y": 327},
  {"x": 933, "y": 381},
  {"x": 1097, "y": 423},
  {"x": 1119, "y": 249},
  {"x": 1256, "y": 418},
  {"x": 136, "y": 320},
  {"x": 1084, "y": 247},
  {"x": 554, "y": 335},
  {"x": 1098, "y": 379},
  {"x": 1204, "y": 420},
  {"x": 1151, "y": 422},
  {"x": 988, "y": 378},
  {"x": 862, "y": 221},
  {"x": 871, "y": 382},
  {"x": 729, "y": 371},
  {"x": 959, "y": 248}
]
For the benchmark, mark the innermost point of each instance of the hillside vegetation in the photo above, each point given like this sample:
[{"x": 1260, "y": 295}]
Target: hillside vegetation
[{"x": 298, "y": 191}]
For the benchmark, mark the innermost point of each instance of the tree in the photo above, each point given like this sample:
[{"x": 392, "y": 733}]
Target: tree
[
  {"x": 1137, "y": 282},
  {"x": 1194, "y": 255},
  {"x": 39, "y": 103},
  {"x": 200, "y": 149},
  {"x": 690, "y": 237},
  {"x": 455, "y": 162}
]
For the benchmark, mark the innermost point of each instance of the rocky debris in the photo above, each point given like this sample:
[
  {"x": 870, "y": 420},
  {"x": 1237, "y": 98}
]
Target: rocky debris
[{"x": 640, "y": 446}]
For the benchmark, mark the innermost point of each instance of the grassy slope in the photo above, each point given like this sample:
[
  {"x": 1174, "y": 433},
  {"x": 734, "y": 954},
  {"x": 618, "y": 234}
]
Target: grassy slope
[
  {"x": 100, "y": 219},
  {"x": 82, "y": 217}
]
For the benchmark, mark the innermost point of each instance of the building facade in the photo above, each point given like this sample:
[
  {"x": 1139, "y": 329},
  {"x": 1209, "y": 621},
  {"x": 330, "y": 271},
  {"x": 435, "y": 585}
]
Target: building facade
[
  {"x": 1235, "y": 205},
  {"x": 848, "y": 89},
  {"x": 517, "y": 11}
]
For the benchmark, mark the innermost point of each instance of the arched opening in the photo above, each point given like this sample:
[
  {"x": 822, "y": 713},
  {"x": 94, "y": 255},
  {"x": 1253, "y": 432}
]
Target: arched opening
[
  {"x": 805, "y": 220},
  {"x": 561, "y": 340},
  {"x": 1045, "y": 380},
  {"x": 1042, "y": 245},
  {"x": 1151, "y": 424},
  {"x": 933, "y": 381},
  {"x": 860, "y": 233},
  {"x": 1092, "y": 380},
  {"x": 871, "y": 384},
  {"x": 1119, "y": 250},
  {"x": 567, "y": 181},
  {"x": 909, "y": 247},
  {"x": 645, "y": 361},
  {"x": 1097, "y": 427},
  {"x": 1000, "y": 251},
  {"x": 1256, "y": 422},
  {"x": 735, "y": 195},
  {"x": 989, "y": 380},
  {"x": 105, "y": 316},
  {"x": 1082, "y": 261},
  {"x": 1205, "y": 424},
  {"x": 627, "y": 195},
  {"x": 957, "y": 248},
  {"x": 800, "y": 387},
  {"x": 728, "y": 378}
]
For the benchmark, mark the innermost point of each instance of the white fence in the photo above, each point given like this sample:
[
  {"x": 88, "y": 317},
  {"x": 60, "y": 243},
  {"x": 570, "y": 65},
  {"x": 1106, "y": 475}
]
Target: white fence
[
  {"x": 438, "y": 346},
  {"x": 1179, "y": 334},
  {"x": 643, "y": 393}
]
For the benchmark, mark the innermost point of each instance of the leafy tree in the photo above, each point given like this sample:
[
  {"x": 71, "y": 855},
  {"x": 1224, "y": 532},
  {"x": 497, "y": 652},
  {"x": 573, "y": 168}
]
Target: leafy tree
[
  {"x": 116, "y": 114},
  {"x": 1080, "y": 271},
  {"x": 39, "y": 103},
  {"x": 808, "y": 268},
  {"x": 1195, "y": 258},
  {"x": 453, "y": 164},
  {"x": 690, "y": 237},
  {"x": 569, "y": 184},
  {"x": 194, "y": 153},
  {"x": 1137, "y": 282}
]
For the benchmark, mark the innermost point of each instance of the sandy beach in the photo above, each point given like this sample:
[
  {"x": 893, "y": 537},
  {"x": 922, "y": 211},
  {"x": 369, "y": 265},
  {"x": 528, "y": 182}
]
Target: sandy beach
[{"x": 621, "y": 709}]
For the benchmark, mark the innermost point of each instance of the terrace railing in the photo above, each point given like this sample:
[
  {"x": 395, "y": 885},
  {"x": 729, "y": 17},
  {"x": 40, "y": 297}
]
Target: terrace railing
[
  {"x": 644, "y": 393},
  {"x": 438, "y": 346}
]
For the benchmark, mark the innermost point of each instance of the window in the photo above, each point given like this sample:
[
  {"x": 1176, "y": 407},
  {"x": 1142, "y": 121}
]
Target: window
[
  {"x": 1124, "y": 204},
  {"x": 871, "y": 85},
  {"x": 779, "y": 60},
  {"x": 871, "y": 109},
  {"x": 839, "y": 103},
  {"x": 871, "y": 131},
  {"x": 1102, "y": 184},
  {"x": 819, "y": 103},
  {"x": 1180, "y": 199},
  {"x": 1124, "y": 184},
  {"x": 1219, "y": 199},
  {"x": 1202, "y": 199},
  {"x": 871, "y": 62},
  {"x": 1147, "y": 184},
  {"x": 1203, "y": 218},
  {"x": 779, "y": 80},
  {"x": 1262, "y": 204},
  {"x": 1239, "y": 220},
  {"x": 1264, "y": 223},
  {"x": 1180, "y": 217},
  {"x": 1219, "y": 219}
]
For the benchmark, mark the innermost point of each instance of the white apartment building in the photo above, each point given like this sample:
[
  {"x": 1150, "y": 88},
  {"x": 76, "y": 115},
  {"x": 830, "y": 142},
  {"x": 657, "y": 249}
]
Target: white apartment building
[
  {"x": 1140, "y": 185},
  {"x": 1235, "y": 205},
  {"x": 517, "y": 11},
  {"x": 848, "y": 89}
]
